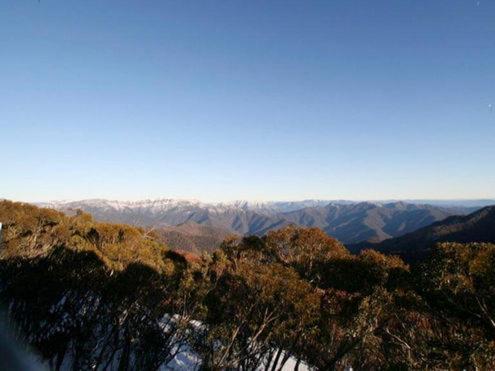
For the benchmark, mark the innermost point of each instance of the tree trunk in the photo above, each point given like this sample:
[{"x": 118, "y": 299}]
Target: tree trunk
[
  {"x": 296, "y": 367},
  {"x": 277, "y": 358}
]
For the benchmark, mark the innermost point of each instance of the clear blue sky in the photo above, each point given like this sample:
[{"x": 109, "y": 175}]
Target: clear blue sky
[{"x": 222, "y": 100}]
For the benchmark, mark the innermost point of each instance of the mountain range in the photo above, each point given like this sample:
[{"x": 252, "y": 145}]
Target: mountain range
[
  {"x": 192, "y": 225},
  {"x": 478, "y": 226}
]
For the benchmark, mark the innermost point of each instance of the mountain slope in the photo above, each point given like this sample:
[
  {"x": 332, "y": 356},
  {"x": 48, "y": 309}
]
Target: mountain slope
[
  {"x": 368, "y": 221},
  {"x": 192, "y": 237},
  {"x": 349, "y": 222},
  {"x": 238, "y": 217},
  {"x": 475, "y": 227}
]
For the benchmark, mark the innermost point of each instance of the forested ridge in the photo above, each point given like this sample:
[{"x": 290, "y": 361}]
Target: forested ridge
[
  {"x": 91, "y": 295},
  {"x": 349, "y": 222}
]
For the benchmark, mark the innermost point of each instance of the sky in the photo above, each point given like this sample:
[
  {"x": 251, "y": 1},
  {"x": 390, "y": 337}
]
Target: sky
[{"x": 255, "y": 100}]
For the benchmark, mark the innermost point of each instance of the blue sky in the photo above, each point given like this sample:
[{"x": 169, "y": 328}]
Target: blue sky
[{"x": 266, "y": 100}]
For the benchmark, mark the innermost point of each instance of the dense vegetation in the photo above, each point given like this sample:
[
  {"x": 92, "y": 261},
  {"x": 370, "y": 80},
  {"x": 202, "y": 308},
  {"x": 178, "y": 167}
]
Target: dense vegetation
[{"x": 94, "y": 295}]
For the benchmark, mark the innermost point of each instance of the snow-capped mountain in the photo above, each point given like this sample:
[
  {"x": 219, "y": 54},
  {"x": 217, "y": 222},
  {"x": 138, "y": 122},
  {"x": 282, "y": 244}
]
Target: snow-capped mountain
[
  {"x": 165, "y": 204},
  {"x": 348, "y": 221}
]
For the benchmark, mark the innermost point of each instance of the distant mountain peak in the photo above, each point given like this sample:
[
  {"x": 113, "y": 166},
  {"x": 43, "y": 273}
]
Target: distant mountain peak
[{"x": 347, "y": 221}]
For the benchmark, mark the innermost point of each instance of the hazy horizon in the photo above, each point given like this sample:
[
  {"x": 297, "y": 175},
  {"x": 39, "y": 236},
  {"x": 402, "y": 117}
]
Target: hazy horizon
[
  {"x": 446, "y": 201},
  {"x": 245, "y": 199}
]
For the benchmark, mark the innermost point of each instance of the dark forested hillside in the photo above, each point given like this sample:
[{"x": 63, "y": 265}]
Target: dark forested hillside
[
  {"x": 90, "y": 295},
  {"x": 193, "y": 237},
  {"x": 478, "y": 226},
  {"x": 366, "y": 221}
]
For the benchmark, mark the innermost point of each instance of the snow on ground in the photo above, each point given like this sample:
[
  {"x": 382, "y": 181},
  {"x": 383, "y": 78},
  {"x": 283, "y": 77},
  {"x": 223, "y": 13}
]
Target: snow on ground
[{"x": 189, "y": 360}]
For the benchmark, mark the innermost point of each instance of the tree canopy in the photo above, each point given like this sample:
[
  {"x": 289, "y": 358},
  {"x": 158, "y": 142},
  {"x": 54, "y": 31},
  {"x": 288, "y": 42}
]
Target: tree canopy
[{"x": 86, "y": 294}]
